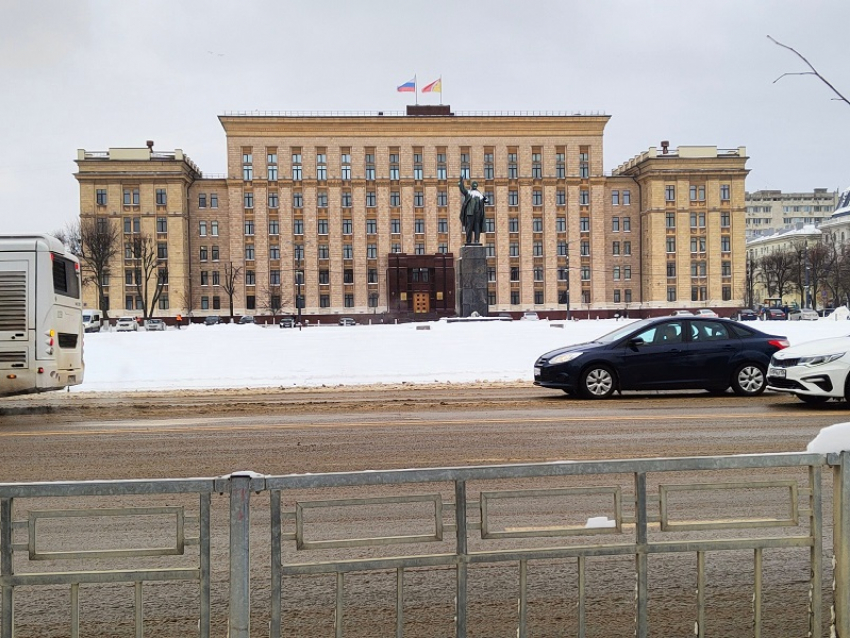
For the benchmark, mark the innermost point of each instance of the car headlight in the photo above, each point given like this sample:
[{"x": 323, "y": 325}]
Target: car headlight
[
  {"x": 820, "y": 359},
  {"x": 564, "y": 358}
]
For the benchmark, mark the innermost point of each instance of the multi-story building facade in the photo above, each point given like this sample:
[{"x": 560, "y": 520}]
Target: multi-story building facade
[
  {"x": 769, "y": 211},
  {"x": 313, "y": 207}
]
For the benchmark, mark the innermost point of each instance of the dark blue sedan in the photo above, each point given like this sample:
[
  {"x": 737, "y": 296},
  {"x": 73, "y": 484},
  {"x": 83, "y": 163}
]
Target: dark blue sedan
[{"x": 663, "y": 353}]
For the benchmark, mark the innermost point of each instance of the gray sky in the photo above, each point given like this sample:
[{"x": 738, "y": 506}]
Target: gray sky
[{"x": 95, "y": 74}]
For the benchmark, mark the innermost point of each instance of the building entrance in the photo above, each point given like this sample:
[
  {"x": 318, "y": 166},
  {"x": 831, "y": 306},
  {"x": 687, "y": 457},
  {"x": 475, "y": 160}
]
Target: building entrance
[{"x": 421, "y": 304}]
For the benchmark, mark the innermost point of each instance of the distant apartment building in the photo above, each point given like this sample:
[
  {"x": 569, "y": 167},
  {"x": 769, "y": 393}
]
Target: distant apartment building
[
  {"x": 357, "y": 214},
  {"x": 769, "y": 211}
]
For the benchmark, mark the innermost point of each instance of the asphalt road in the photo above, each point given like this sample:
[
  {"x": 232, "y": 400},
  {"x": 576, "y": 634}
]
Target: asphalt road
[{"x": 78, "y": 436}]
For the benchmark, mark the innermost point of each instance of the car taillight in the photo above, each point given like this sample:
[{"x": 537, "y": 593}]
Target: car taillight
[{"x": 779, "y": 344}]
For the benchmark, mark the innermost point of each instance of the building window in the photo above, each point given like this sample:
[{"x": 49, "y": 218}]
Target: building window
[
  {"x": 698, "y": 269},
  {"x": 443, "y": 225},
  {"x": 203, "y": 253},
  {"x": 347, "y": 251},
  {"x": 274, "y": 251},
  {"x": 202, "y": 229},
  {"x": 213, "y": 200},
  {"x": 726, "y": 268},
  {"x": 395, "y": 199},
  {"x": 274, "y": 227},
  {"x": 726, "y": 293},
  {"x": 373, "y": 300},
  {"x": 247, "y": 167},
  {"x": 561, "y": 197},
  {"x": 321, "y": 167},
  {"x": 697, "y": 220},
  {"x": 161, "y": 250},
  {"x": 418, "y": 199},
  {"x": 584, "y": 224},
  {"x": 417, "y": 166},
  {"x": 514, "y": 273},
  {"x": 698, "y": 293},
  {"x": 563, "y": 274},
  {"x": 161, "y": 225},
  {"x": 297, "y": 226},
  {"x": 396, "y": 248},
  {"x": 585, "y": 273},
  {"x": 537, "y": 166},
  {"x": 491, "y": 249},
  {"x": 323, "y": 251},
  {"x": 627, "y": 297},
  {"x": 537, "y": 224},
  {"x": 372, "y": 276},
  {"x": 562, "y": 249},
  {"x": 324, "y": 301},
  {"x": 584, "y": 197},
  {"x": 627, "y": 248},
  {"x": 671, "y": 293},
  {"x": 371, "y": 227},
  {"x": 725, "y": 191},
  {"x": 322, "y": 226},
  {"x": 205, "y": 276},
  {"x": 560, "y": 164},
  {"x": 250, "y": 278},
  {"x": 370, "y": 166},
  {"x": 584, "y": 248},
  {"x": 583, "y": 165},
  {"x": 627, "y": 272},
  {"x": 273, "y": 200},
  {"x": 488, "y": 166},
  {"x": 627, "y": 198},
  {"x": 512, "y": 166},
  {"x": 616, "y": 295},
  {"x": 491, "y": 274},
  {"x": 513, "y": 224},
  {"x": 345, "y": 166},
  {"x": 205, "y": 303},
  {"x": 671, "y": 244},
  {"x": 697, "y": 193},
  {"x": 372, "y": 251},
  {"x": 297, "y": 200},
  {"x": 725, "y": 244},
  {"x": 131, "y": 197},
  {"x": 538, "y": 274},
  {"x": 249, "y": 200},
  {"x": 561, "y": 224},
  {"x": 215, "y": 253},
  {"x": 537, "y": 248},
  {"x": 161, "y": 197},
  {"x": 615, "y": 248},
  {"x": 419, "y": 249},
  {"x": 395, "y": 227},
  {"x": 615, "y": 224},
  {"x": 697, "y": 244},
  {"x": 670, "y": 195},
  {"x": 489, "y": 225},
  {"x": 419, "y": 226},
  {"x": 670, "y": 220},
  {"x": 615, "y": 198},
  {"x": 324, "y": 277},
  {"x": 514, "y": 249},
  {"x": 249, "y": 226},
  {"x": 249, "y": 252},
  {"x": 394, "y": 172},
  {"x": 321, "y": 199},
  {"x": 627, "y": 224},
  {"x": 442, "y": 198},
  {"x": 537, "y": 197},
  {"x": 464, "y": 164},
  {"x": 296, "y": 166},
  {"x": 271, "y": 166},
  {"x": 163, "y": 302},
  {"x": 100, "y": 197},
  {"x": 202, "y": 201},
  {"x": 371, "y": 199},
  {"x": 725, "y": 220},
  {"x": 513, "y": 197},
  {"x": 298, "y": 252},
  {"x": 348, "y": 276}
]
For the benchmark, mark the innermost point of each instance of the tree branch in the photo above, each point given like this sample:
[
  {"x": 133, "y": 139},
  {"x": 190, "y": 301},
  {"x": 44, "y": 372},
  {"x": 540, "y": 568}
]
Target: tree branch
[{"x": 813, "y": 71}]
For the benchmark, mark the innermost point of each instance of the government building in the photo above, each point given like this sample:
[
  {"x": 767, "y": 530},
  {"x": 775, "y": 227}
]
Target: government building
[{"x": 357, "y": 215}]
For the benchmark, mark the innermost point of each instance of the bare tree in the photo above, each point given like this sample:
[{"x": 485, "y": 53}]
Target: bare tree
[
  {"x": 151, "y": 276},
  {"x": 70, "y": 237},
  {"x": 775, "y": 271},
  {"x": 813, "y": 71},
  {"x": 272, "y": 300},
  {"x": 231, "y": 276}
]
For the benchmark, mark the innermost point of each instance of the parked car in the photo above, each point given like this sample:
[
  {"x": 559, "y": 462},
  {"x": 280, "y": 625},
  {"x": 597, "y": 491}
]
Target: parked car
[
  {"x": 92, "y": 320},
  {"x": 663, "y": 353},
  {"x": 212, "y": 320},
  {"x": 505, "y": 316},
  {"x": 705, "y": 312},
  {"x": 156, "y": 325},
  {"x": 803, "y": 314},
  {"x": 745, "y": 314},
  {"x": 246, "y": 319},
  {"x": 287, "y": 322},
  {"x": 531, "y": 316},
  {"x": 815, "y": 371},
  {"x": 347, "y": 321},
  {"x": 681, "y": 313},
  {"x": 127, "y": 324},
  {"x": 773, "y": 314}
]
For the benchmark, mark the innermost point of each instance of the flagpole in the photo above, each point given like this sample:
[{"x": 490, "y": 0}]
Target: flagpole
[
  {"x": 416, "y": 89},
  {"x": 441, "y": 90}
]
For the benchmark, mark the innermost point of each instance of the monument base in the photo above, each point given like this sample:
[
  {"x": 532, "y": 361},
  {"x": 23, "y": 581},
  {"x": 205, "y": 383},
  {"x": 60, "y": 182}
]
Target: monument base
[{"x": 471, "y": 280}]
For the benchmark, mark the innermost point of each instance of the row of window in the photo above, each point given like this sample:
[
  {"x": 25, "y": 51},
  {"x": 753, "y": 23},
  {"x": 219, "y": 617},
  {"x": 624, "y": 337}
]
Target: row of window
[
  {"x": 697, "y": 193},
  {"x": 133, "y": 225},
  {"x": 274, "y": 301},
  {"x": 698, "y": 244},
  {"x": 699, "y": 293},
  {"x": 698, "y": 269},
  {"x": 135, "y": 302},
  {"x": 135, "y": 249},
  {"x": 440, "y": 166},
  {"x": 698, "y": 220},
  {"x": 131, "y": 197}
]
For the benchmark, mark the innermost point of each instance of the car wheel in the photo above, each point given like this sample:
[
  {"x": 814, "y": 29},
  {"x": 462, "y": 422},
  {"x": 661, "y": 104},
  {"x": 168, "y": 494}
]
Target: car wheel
[
  {"x": 811, "y": 399},
  {"x": 597, "y": 382},
  {"x": 749, "y": 380}
]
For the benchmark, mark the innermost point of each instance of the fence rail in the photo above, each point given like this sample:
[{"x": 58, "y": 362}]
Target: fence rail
[{"x": 411, "y": 526}]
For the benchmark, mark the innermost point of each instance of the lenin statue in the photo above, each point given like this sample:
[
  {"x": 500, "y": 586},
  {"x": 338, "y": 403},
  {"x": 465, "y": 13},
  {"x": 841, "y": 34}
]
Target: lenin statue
[{"x": 472, "y": 213}]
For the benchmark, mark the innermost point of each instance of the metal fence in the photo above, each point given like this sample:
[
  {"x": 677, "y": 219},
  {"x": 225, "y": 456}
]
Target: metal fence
[{"x": 736, "y": 523}]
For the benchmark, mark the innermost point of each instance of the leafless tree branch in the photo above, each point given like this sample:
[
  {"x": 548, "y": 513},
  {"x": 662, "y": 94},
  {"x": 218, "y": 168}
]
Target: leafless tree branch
[{"x": 813, "y": 71}]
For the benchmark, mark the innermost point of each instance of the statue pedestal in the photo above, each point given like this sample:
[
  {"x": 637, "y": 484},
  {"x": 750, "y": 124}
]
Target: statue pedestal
[{"x": 471, "y": 279}]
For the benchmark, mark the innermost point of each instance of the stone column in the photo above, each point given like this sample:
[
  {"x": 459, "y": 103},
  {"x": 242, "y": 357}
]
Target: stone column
[{"x": 472, "y": 281}]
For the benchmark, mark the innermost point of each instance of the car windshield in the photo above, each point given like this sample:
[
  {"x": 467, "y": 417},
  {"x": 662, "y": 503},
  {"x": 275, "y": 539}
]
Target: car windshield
[{"x": 619, "y": 333}]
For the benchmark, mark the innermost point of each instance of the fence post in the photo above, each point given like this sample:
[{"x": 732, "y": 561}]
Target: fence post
[
  {"x": 841, "y": 541},
  {"x": 239, "y": 613}
]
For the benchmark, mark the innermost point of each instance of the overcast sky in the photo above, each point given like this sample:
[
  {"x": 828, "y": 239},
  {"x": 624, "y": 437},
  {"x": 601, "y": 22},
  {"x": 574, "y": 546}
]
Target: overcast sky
[{"x": 95, "y": 74}]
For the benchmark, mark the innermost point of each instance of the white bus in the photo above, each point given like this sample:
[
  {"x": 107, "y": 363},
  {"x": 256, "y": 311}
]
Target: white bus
[{"x": 41, "y": 317}]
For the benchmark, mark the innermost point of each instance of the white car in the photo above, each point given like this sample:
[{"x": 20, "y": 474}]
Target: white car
[
  {"x": 815, "y": 371},
  {"x": 705, "y": 312},
  {"x": 154, "y": 325},
  {"x": 803, "y": 314},
  {"x": 127, "y": 324}
]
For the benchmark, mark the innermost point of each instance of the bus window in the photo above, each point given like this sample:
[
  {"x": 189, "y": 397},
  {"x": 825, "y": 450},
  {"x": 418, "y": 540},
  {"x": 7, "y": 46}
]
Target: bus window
[{"x": 65, "y": 278}]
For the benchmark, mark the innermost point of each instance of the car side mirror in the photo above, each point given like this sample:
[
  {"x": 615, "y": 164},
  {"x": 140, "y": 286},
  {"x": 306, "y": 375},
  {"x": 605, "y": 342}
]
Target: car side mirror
[{"x": 634, "y": 342}]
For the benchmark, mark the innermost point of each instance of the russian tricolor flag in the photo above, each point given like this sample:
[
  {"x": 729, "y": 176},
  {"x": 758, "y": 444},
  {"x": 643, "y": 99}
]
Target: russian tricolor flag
[{"x": 408, "y": 87}]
